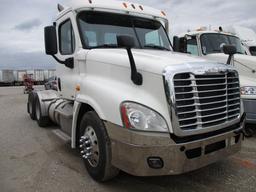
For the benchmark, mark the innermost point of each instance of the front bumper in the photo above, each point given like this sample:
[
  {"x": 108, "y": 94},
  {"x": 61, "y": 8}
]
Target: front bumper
[
  {"x": 250, "y": 110},
  {"x": 131, "y": 150}
]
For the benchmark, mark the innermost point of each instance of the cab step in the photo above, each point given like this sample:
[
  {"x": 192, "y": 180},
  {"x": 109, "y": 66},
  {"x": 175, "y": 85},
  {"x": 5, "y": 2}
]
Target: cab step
[{"x": 62, "y": 135}]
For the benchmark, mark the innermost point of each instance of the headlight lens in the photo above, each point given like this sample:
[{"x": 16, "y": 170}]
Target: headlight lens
[
  {"x": 248, "y": 90},
  {"x": 136, "y": 116}
]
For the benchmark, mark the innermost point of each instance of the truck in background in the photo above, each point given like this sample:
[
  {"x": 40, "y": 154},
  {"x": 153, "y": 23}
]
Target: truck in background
[
  {"x": 209, "y": 45},
  {"x": 128, "y": 102},
  {"x": 247, "y": 36}
]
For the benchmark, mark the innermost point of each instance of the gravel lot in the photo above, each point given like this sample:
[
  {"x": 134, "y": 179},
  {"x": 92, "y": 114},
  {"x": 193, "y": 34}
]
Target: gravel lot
[{"x": 35, "y": 159}]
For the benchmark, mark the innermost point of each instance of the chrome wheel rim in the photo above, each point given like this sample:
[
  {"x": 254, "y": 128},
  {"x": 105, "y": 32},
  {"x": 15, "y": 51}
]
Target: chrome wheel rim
[{"x": 89, "y": 146}]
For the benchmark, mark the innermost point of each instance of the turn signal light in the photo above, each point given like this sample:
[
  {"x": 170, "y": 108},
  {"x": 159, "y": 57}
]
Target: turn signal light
[
  {"x": 78, "y": 88},
  {"x": 125, "y": 117}
]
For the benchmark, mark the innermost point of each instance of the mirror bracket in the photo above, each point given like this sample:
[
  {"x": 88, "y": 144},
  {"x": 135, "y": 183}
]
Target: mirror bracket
[{"x": 69, "y": 62}]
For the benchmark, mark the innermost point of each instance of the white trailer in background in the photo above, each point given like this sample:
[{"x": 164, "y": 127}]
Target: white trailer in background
[
  {"x": 39, "y": 76},
  {"x": 6, "y": 77},
  {"x": 49, "y": 73},
  {"x": 15, "y": 77},
  {"x": 20, "y": 77}
]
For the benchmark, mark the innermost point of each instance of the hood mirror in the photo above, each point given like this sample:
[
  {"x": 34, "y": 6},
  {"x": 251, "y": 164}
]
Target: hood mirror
[
  {"x": 229, "y": 50},
  {"x": 127, "y": 42},
  {"x": 176, "y": 44}
]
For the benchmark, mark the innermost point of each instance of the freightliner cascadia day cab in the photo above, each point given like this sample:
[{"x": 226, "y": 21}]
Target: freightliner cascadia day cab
[
  {"x": 128, "y": 102},
  {"x": 209, "y": 45}
]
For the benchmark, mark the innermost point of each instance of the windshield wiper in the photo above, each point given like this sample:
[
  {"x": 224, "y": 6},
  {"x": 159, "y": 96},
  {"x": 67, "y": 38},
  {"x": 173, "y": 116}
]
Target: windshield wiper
[
  {"x": 156, "y": 47},
  {"x": 104, "y": 46}
]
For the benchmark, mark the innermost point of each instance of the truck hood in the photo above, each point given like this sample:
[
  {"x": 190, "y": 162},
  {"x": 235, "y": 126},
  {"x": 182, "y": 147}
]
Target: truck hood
[
  {"x": 153, "y": 61},
  {"x": 247, "y": 81},
  {"x": 244, "y": 64}
]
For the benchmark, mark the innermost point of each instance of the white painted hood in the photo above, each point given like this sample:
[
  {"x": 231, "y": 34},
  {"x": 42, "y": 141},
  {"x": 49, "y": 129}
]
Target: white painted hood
[
  {"x": 153, "y": 61},
  {"x": 244, "y": 64}
]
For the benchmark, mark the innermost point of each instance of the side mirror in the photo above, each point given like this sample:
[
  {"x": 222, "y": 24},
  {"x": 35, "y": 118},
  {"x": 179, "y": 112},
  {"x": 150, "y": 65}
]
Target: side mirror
[
  {"x": 229, "y": 50},
  {"x": 125, "y": 41},
  {"x": 176, "y": 44},
  {"x": 50, "y": 40},
  {"x": 51, "y": 48}
]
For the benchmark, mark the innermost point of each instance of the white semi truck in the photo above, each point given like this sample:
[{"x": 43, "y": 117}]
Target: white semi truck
[
  {"x": 209, "y": 45},
  {"x": 128, "y": 102}
]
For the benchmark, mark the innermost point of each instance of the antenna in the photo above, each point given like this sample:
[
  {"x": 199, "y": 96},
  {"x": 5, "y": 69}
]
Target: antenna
[{"x": 60, "y": 8}]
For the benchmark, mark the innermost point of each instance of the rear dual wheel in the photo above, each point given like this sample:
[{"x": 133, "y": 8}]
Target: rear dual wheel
[
  {"x": 35, "y": 111},
  {"x": 42, "y": 121},
  {"x": 31, "y": 105}
]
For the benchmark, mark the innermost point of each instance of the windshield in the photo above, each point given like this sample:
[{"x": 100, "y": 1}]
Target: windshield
[
  {"x": 253, "y": 51},
  {"x": 100, "y": 30},
  {"x": 213, "y": 43}
]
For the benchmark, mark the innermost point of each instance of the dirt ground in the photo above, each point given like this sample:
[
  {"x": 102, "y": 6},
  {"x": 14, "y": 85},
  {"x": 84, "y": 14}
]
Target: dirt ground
[{"x": 35, "y": 159}]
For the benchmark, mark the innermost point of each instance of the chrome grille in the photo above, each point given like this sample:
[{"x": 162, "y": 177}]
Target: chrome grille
[{"x": 206, "y": 100}]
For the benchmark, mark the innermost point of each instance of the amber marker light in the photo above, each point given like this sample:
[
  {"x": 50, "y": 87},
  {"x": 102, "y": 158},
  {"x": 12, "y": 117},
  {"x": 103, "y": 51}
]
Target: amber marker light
[
  {"x": 163, "y": 13},
  {"x": 125, "y": 5},
  {"x": 78, "y": 88}
]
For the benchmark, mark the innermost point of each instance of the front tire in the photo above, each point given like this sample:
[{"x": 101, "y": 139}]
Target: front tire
[{"x": 95, "y": 148}]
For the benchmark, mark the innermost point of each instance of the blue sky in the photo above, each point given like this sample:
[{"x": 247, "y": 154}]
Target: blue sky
[{"x": 22, "y": 23}]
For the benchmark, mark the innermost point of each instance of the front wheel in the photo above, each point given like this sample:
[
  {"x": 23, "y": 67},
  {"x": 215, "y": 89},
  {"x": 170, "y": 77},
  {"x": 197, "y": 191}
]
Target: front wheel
[{"x": 95, "y": 148}]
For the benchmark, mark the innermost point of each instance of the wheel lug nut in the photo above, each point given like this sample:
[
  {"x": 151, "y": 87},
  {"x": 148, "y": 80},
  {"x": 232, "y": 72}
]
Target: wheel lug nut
[
  {"x": 88, "y": 154},
  {"x": 85, "y": 157}
]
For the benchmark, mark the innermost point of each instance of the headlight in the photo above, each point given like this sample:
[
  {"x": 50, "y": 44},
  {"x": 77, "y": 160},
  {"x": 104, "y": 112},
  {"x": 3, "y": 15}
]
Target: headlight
[
  {"x": 136, "y": 116},
  {"x": 248, "y": 90}
]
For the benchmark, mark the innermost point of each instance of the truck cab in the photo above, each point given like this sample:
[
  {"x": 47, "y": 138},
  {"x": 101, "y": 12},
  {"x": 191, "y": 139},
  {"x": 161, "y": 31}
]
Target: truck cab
[
  {"x": 128, "y": 102},
  {"x": 209, "y": 45}
]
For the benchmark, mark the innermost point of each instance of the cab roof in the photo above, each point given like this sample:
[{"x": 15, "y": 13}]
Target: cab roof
[
  {"x": 200, "y": 32},
  {"x": 114, "y": 6}
]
